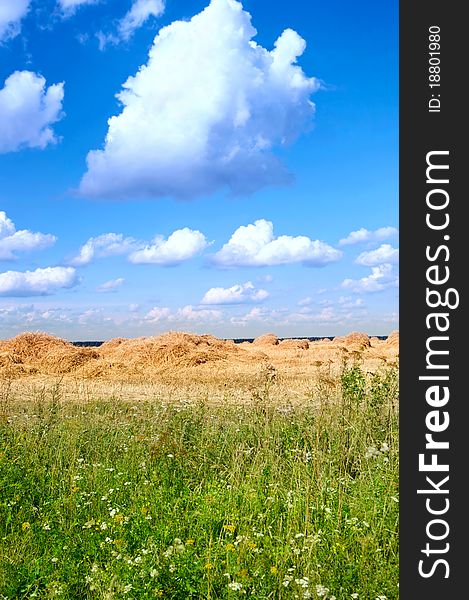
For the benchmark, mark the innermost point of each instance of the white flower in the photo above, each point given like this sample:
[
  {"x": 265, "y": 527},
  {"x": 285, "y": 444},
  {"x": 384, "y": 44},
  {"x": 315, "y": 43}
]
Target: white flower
[
  {"x": 372, "y": 452},
  {"x": 321, "y": 591},
  {"x": 46, "y": 527},
  {"x": 127, "y": 588},
  {"x": 354, "y": 595},
  {"x": 236, "y": 586}
]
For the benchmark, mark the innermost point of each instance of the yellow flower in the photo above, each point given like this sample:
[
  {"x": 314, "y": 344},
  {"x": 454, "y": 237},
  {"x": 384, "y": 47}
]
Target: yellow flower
[
  {"x": 75, "y": 489},
  {"x": 229, "y": 547},
  {"x": 25, "y": 526},
  {"x": 229, "y": 528},
  {"x": 244, "y": 573},
  {"x": 208, "y": 566},
  {"x": 144, "y": 510},
  {"x": 118, "y": 542},
  {"x": 273, "y": 570},
  {"x": 252, "y": 545},
  {"x": 159, "y": 593},
  {"x": 119, "y": 518},
  {"x": 189, "y": 542}
]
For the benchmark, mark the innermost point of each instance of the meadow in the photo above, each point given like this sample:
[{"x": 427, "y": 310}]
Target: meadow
[{"x": 181, "y": 497}]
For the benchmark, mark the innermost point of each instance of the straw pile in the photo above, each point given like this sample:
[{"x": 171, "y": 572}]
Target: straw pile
[
  {"x": 393, "y": 340},
  {"x": 269, "y": 339},
  {"x": 295, "y": 344},
  {"x": 354, "y": 341},
  {"x": 41, "y": 352}
]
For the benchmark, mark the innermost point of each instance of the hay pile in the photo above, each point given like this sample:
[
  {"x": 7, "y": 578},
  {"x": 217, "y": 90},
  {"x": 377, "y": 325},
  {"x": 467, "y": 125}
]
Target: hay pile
[
  {"x": 393, "y": 340},
  {"x": 34, "y": 352},
  {"x": 269, "y": 339},
  {"x": 295, "y": 344},
  {"x": 354, "y": 342}
]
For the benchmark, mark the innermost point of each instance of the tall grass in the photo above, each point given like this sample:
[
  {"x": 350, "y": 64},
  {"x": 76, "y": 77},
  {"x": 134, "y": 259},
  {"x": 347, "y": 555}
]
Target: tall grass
[{"x": 106, "y": 499}]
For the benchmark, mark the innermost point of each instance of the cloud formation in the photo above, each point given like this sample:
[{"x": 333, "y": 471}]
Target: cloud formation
[
  {"x": 384, "y": 254},
  {"x": 40, "y": 282},
  {"x": 180, "y": 246},
  {"x": 186, "y": 314},
  {"x": 381, "y": 278},
  {"x": 140, "y": 11},
  {"x": 11, "y": 13},
  {"x": 110, "y": 286},
  {"x": 364, "y": 235},
  {"x": 243, "y": 293},
  {"x": 107, "y": 244},
  {"x": 255, "y": 245},
  {"x": 70, "y": 6},
  {"x": 27, "y": 110},
  {"x": 205, "y": 112},
  {"x": 12, "y": 241}
]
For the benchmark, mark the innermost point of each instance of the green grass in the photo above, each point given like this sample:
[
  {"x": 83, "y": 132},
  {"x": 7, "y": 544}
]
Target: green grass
[{"x": 112, "y": 500}]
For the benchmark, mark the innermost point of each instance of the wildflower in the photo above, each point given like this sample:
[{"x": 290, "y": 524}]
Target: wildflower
[
  {"x": 119, "y": 518},
  {"x": 286, "y": 580},
  {"x": 88, "y": 579},
  {"x": 273, "y": 570},
  {"x": 189, "y": 542},
  {"x": 208, "y": 566},
  {"x": 75, "y": 489},
  {"x": 236, "y": 586},
  {"x": 229, "y": 547},
  {"x": 54, "y": 560},
  {"x": 229, "y": 528},
  {"x": 252, "y": 545},
  {"x": 46, "y": 527},
  {"x": 384, "y": 447},
  {"x": 302, "y": 582},
  {"x": 372, "y": 452},
  {"x": 355, "y": 596},
  {"x": 322, "y": 591},
  {"x": 307, "y": 594},
  {"x": 25, "y": 526},
  {"x": 153, "y": 573},
  {"x": 127, "y": 588}
]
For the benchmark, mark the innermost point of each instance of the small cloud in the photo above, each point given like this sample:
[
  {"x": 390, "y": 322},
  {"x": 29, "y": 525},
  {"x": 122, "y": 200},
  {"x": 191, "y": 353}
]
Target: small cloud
[
  {"x": 381, "y": 278},
  {"x": 237, "y": 294},
  {"x": 254, "y": 245},
  {"x": 12, "y": 241},
  {"x": 180, "y": 246},
  {"x": 139, "y": 13},
  {"x": 69, "y": 7},
  {"x": 384, "y": 254},
  {"x": 107, "y": 244},
  {"x": 364, "y": 235},
  {"x": 305, "y": 301},
  {"x": 111, "y": 285},
  {"x": 28, "y": 109},
  {"x": 186, "y": 314},
  {"x": 40, "y": 282},
  {"x": 11, "y": 14},
  {"x": 349, "y": 302}
]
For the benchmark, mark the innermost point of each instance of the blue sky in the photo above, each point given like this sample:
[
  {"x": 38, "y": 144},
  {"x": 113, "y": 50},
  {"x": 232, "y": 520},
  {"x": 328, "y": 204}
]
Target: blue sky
[{"x": 218, "y": 198}]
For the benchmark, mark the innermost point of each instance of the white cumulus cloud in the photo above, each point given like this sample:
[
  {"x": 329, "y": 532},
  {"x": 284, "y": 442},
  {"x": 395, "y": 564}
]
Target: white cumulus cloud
[
  {"x": 28, "y": 108},
  {"x": 107, "y": 244},
  {"x": 381, "y": 278},
  {"x": 11, "y": 13},
  {"x": 181, "y": 245},
  {"x": 237, "y": 294},
  {"x": 365, "y": 235},
  {"x": 255, "y": 245},
  {"x": 40, "y": 282},
  {"x": 110, "y": 286},
  {"x": 205, "y": 112},
  {"x": 384, "y": 254},
  {"x": 23, "y": 240}
]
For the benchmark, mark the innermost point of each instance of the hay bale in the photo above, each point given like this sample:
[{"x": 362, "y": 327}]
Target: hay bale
[
  {"x": 393, "y": 339},
  {"x": 268, "y": 339},
  {"x": 33, "y": 346},
  {"x": 113, "y": 343},
  {"x": 295, "y": 344},
  {"x": 354, "y": 341}
]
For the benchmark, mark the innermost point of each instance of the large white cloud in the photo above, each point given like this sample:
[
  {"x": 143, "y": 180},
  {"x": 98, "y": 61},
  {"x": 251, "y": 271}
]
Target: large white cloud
[
  {"x": 365, "y": 235},
  {"x": 384, "y": 254},
  {"x": 40, "y": 282},
  {"x": 12, "y": 241},
  {"x": 205, "y": 112},
  {"x": 27, "y": 110},
  {"x": 255, "y": 245},
  {"x": 243, "y": 293},
  {"x": 181, "y": 245},
  {"x": 11, "y": 13},
  {"x": 380, "y": 278},
  {"x": 107, "y": 244}
]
